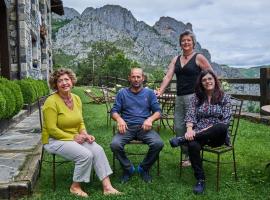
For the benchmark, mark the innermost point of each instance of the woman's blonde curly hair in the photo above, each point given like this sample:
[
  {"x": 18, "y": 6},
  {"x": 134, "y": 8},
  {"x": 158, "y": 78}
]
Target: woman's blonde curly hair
[{"x": 59, "y": 72}]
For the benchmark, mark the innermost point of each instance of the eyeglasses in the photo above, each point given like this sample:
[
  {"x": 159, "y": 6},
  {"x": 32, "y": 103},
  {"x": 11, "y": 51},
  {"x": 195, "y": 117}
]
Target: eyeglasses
[{"x": 207, "y": 79}]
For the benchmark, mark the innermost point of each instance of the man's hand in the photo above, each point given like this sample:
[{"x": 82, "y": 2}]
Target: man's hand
[
  {"x": 121, "y": 126},
  {"x": 189, "y": 135},
  {"x": 147, "y": 124}
]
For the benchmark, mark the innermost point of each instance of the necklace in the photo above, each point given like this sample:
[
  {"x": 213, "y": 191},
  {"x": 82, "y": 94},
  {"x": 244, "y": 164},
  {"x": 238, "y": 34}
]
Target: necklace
[
  {"x": 68, "y": 101},
  {"x": 187, "y": 55}
]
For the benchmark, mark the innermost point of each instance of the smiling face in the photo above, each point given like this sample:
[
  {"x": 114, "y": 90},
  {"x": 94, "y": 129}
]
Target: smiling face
[
  {"x": 64, "y": 84},
  {"x": 208, "y": 82},
  {"x": 187, "y": 43},
  {"x": 136, "y": 79}
]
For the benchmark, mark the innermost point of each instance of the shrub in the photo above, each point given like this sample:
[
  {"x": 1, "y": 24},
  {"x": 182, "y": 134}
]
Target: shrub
[
  {"x": 10, "y": 101},
  {"x": 16, "y": 91},
  {"x": 35, "y": 86},
  {"x": 44, "y": 86},
  {"x": 2, "y": 105},
  {"x": 28, "y": 91}
]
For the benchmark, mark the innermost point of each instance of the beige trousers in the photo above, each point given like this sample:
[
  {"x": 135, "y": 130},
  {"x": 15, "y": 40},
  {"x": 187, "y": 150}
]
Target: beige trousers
[{"x": 84, "y": 155}]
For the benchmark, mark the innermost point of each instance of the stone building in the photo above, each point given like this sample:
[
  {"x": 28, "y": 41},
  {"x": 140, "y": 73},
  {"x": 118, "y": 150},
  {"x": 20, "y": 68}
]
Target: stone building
[{"x": 25, "y": 37}]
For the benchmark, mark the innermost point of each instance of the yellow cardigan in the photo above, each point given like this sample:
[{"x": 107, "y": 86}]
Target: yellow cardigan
[{"x": 59, "y": 122}]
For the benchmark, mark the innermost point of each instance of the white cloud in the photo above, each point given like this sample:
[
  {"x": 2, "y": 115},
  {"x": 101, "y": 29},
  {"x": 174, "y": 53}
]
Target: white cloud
[{"x": 235, "y": 33}]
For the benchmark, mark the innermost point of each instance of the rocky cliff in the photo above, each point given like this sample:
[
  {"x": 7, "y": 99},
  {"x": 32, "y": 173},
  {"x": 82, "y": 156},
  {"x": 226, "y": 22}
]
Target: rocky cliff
[{"x": 149, "y": 45}]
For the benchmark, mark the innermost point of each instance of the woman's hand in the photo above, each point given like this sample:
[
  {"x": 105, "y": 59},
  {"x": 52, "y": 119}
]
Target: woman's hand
[
  {"x": 90, "y": 138},
  {"x": 189, "y": 135},
  {"x": 79, "y": 138}
]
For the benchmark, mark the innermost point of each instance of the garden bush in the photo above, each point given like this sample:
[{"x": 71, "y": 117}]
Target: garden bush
[
  {"x": 44, "y": 87},
  {"x": 28, "y": 91},
  {"x": 10, "y": 101},
  {"x": 16, "y": 91},
  {"x": 2, "y": 105}
]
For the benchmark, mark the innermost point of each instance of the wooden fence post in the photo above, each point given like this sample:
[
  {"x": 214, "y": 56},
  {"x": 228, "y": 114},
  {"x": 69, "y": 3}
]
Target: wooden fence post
[{"x": 264, "y": 86}]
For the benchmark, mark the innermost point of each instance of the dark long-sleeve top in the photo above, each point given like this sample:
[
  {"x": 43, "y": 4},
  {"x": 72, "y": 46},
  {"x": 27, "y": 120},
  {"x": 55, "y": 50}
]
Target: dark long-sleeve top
[
  {"x": 208, "y": 114},
  {"x": 135, "y": 108}
]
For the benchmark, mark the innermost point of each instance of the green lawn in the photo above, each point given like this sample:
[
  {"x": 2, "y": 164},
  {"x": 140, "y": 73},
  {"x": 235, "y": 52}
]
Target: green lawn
[{"x": 252, "y": 153}]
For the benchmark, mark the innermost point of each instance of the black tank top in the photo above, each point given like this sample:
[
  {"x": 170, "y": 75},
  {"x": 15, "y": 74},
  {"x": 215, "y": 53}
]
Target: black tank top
[{"x": 186, "y": 76}]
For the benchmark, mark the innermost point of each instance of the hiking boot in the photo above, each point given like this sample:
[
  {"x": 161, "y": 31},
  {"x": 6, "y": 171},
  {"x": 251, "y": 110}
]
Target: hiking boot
[
  {"x": 144, "y": 174},
  {"x": 127, "y": 174},
  {"x": 199, "y": 187}
]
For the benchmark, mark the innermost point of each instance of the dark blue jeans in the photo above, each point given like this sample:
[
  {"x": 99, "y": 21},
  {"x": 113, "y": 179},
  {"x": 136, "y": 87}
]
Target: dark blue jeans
[
  {"x": 151, "y": 138},
  {"x": 214, "y": 136}
]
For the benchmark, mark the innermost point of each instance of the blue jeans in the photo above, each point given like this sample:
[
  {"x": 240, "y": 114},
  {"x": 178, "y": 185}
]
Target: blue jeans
[{"x": 151, "y": 138}]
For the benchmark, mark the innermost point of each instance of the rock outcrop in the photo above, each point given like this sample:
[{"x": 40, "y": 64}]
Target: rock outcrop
[{"x": 149, "y": 45}]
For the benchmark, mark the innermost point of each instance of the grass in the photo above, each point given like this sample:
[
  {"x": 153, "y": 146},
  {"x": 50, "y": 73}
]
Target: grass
[{"x": 252, "y": 153}]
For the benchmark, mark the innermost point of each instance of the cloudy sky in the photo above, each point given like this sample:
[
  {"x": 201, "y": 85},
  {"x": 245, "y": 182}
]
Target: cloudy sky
[{"x": 235, "y": 32}]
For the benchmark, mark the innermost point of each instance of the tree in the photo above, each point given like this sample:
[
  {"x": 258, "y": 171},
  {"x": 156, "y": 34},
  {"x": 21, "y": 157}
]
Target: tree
[
  {"x": 155, "y": 78},
  {"x": 94, "y": 64},
  {"x": 118, "y": 65}
]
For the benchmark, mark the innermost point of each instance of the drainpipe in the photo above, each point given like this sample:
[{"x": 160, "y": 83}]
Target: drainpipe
[{"x": 18, "y": 41}]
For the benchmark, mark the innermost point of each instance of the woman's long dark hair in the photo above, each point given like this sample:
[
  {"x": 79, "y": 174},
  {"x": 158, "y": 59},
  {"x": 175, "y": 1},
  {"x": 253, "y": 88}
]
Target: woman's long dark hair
[{"x": 199, "y": 89}]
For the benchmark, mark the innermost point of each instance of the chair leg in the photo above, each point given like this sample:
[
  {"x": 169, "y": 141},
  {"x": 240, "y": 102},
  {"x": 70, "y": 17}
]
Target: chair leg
[
  {"x": 53, "y": 171},
  {"x": 181, "y": 159},
  {"x": 218, "y": 171},
  {"x": 234, "y": 165},
  {"x": 110, "y": 120},
  {"x": 158, "y": 170},
  {"x": 113, "y": 163},
  {"x": 40, "y": 161},
  {"x": 107, "y": 120}
]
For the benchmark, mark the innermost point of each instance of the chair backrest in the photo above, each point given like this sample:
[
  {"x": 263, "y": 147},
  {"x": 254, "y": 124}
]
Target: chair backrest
[
  {"x": 108, "y": 97},
  {"x": 236, "y": 106},
  {"x": 167, "y": 102},
  {"x": 41, "y": 101}
]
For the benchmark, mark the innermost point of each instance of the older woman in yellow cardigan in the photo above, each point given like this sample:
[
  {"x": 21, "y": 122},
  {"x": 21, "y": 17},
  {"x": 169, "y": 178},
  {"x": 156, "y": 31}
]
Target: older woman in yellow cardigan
[{"x": 64, "y": 134}]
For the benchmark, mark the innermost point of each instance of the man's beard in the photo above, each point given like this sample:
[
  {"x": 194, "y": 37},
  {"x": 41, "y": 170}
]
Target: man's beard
[{"x": 136, "y": 85}]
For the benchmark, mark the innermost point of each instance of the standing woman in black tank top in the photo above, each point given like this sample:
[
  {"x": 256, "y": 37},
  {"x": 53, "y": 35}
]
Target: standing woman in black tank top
[{"x": 186, "y": 67}]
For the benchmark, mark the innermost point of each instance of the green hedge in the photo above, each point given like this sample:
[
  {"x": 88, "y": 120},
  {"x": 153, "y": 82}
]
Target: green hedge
[
  {"x": 16, "y": 91},
  {"x": 10, "y": 101},
  {"x": 28, "y": 91},
  {"x": 2, "y": 105},
  {"x": 33, "y": 89},
  {"x": 13, "y": 94}
]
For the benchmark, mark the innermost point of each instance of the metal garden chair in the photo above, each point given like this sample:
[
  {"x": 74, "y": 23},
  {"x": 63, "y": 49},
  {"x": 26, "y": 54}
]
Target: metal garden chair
[
  {"x": 137, "y": 153},
  {"x": 236, "y": 107}
]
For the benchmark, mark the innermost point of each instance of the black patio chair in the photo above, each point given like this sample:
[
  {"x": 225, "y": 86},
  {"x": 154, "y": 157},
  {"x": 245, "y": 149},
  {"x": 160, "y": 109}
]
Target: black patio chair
[
  {"x": 167, "y": 102},
  {"x": 109, "y": 97}
]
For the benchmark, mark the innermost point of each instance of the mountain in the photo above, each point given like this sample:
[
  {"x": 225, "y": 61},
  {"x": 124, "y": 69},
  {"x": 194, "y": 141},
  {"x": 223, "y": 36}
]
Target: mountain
[{"x": 149, "y": 45}]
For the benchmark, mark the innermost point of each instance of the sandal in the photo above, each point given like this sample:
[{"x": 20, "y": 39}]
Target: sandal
[{"x": 78, "y": 192}]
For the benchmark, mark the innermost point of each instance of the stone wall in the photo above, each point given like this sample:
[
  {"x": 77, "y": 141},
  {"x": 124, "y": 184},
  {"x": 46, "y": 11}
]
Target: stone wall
[{"x": 34, "y": 38}]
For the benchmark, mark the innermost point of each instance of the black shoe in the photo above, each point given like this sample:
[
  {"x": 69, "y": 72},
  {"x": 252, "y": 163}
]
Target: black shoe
[
  {"x": 178, "y": 141},
  {"x": 144, "y": 174},
  {"x": 199, "y": 187},
  {"x": 127, "y": 174}
]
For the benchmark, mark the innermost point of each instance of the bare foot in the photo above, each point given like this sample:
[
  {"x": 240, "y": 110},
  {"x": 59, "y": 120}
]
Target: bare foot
[
  {"x": 112, "y": 191},
  {"x": 78, "y": 192}
]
